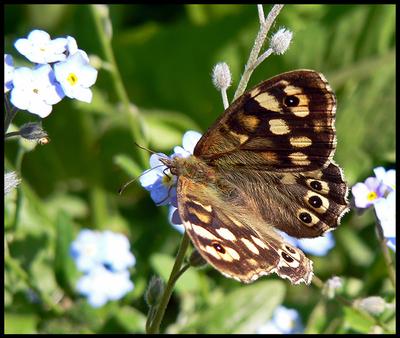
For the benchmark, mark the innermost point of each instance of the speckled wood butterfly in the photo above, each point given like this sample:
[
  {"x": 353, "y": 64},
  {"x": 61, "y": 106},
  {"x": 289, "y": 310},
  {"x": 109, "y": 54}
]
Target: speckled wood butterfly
[{"x": 265, "y": 163}]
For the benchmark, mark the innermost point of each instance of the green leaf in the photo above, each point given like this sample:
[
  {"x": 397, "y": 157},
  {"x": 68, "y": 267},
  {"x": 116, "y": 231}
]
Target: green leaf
[
  {"x": 127, "y": 164},
  {"x": 240, "y": 311},
  {"x": 20, "y": 323},
  {"x": 64, "y": 267},
  {"x": 165, "y": 128},
  {"x": 357, "y": 322},
  {"x": 126, "y": 320}
]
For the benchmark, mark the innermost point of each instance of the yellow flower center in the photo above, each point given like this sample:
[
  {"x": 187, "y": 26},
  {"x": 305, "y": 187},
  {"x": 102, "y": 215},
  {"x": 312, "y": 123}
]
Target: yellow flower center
[
  {"x": 372, "y": 195},
  {"x": 72, "y": 79},
  {"x": 167, "y": 180}
]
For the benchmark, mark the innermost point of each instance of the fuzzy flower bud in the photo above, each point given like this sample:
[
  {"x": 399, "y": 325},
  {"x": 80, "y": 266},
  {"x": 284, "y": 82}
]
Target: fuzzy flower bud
[
  {"x": 280, "y": 41},
  {"x": 374, "y": 305},
  {"x": 154, "y": 291},
  {"x": 33, "y": 131},
  {"x": 221, "y": 76},
  {"x": 196, "y": 260},
  {"x": 11, "y": 180},
  {"x": 331, "y": 286}
]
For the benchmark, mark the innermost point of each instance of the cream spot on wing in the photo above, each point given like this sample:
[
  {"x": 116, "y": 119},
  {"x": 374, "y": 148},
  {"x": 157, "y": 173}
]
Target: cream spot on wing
[
  {"x": 255, "y": 92},
  {"x": 233, "y": 253},
  {"x": 250, "y": 122},
  {"x": 259, "y": 242},
  {"x": 278, "y": 127},
  {"x": 226, "y": 234},
  {"x": 202, "y": 216},
  {"x": 236, "y": 222},
  {"x": 250, "y": 246},
  {"x": 324, "y": 186},
  {"x": 292, "y": 90},
  {"x": 314, "y": 219},
  {"x": 242, "y": 138},
  {"x": 288, "y": 179},
  {"x": 268, "y": 101},
  {"x": 200, "y": 231},
  {"x": 300, "y": 141},
  {"x": 211, "y": 250},
  {"x": 325, "y": 202},
  {"x": 293, "y": 252},
  {"x": 270, "y": 156},
  {"x": 299, "y": 159},
  {"x": 252, "y": 261},
  {"x": 205, "y": 207},
  {"x": 302, "y": 109},
  {"x": 287, "y": 260},
  {"x": 319, "y": 125}
]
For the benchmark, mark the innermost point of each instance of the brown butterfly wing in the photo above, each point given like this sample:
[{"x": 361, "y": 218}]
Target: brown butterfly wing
[
  {"x": 286, "y": 123},
  {"x": 232, "y": 239}
]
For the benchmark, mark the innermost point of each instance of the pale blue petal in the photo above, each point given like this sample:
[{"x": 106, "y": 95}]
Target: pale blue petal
[
  {"x": 190, "y": 139},
  {"x": 115, "y": 251},
  {"x": 149, "y": 177},
  {"x": 392, "y": 243},
  {"x": 318, "y": 246},
  {"x": 155, "y": 161}
]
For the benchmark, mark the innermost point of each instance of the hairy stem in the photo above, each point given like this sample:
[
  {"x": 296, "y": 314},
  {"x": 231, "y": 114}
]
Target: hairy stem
[
  {"x": 131, "y": 113},
  {"x": 258, "y": 43}
]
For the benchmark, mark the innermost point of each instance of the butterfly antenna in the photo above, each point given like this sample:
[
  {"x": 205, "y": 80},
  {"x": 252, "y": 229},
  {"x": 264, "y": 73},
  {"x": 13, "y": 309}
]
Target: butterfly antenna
[
  {"x": 144, "y": 148},
  {"x": 121, "y": 190}
]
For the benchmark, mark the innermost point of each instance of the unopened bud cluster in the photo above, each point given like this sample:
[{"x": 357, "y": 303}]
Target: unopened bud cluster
[
  {"x": 11, "y": 180},
  {"x": 280, "y": 41},
  {"x": 221, "y": 76},
  {"x": 374, "y": 305}
]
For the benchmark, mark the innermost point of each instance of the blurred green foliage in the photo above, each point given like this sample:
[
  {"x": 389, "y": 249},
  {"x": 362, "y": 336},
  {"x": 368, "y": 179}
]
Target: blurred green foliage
[{"x": 165, "y": 54}]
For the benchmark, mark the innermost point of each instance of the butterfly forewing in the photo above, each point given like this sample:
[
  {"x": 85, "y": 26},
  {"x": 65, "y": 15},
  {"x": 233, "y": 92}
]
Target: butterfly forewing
[{"x": 284, "y": 123}]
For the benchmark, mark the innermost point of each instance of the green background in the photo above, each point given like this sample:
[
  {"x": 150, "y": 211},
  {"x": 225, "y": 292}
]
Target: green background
[{"x": 165, "y": 54}]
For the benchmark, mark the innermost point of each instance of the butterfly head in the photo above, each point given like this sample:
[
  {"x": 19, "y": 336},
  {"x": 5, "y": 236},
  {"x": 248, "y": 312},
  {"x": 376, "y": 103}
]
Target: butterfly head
[{"x": 190, "y": 167}]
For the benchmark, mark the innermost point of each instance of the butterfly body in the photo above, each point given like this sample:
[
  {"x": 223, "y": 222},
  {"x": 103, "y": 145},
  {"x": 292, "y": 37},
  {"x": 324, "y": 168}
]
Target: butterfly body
[{"x": 265, "y": 164}]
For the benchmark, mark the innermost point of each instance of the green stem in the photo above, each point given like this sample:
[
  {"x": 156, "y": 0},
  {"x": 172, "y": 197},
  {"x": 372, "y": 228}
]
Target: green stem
[
  {"x": 131, "y": 113},
  {"x": 154, "y": 327},
  {"x": 258, "y": 43},
  {"x": 18, "y": 202},
  {"x": 10, "y": 113},
  {"x": 386, "y": 255}
]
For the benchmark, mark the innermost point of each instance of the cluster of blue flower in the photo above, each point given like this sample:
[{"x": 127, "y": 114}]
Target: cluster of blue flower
[
  {"x": 61, "y": 69},
  {"x": 380, "y": 192},
  {"x": 104, "y": 258}
]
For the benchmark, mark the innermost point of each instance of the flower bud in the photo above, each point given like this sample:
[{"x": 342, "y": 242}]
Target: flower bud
[
  {"x": 196, "y": 260},
  {"x": 11, "y": 180},
  {"x": 280, "y": 41},
  {"x": 221, "y": 76},
  {"x": 331, "y": 286},
  {"x": 33, "y": 131},
  {"x": 154, "y": 291},
  {"x": 374, "y": 305}
]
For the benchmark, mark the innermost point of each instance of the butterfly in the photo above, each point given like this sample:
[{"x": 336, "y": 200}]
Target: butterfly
[{"x": 265, "y": 164}]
